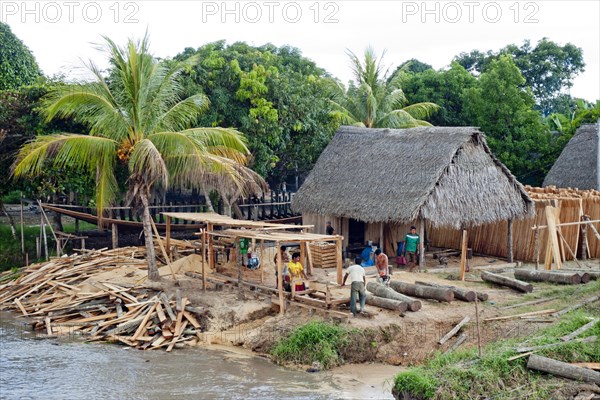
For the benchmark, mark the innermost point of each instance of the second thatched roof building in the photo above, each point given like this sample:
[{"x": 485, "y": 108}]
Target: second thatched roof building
[{"x": 372, "y": 183}]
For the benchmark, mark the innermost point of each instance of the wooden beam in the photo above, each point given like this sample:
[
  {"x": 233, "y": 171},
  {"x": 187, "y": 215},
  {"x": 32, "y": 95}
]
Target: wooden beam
[
  {"x": 162, "y": 248},
  {"x": 584, "y": 222},
  {"x": 552, "y": 238},
  {"x": 211, "y": 257},
  {"x": 454, "y": 330},
  {"x": 204, "y": 259}
]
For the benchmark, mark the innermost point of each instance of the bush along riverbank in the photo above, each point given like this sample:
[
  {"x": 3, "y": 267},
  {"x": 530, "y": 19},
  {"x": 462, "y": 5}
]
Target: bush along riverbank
[{"x": 500, "y": 374}]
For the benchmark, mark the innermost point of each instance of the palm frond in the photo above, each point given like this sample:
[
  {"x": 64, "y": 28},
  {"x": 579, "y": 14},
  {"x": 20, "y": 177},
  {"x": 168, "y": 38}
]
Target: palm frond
[
  {"x": 182, "y": 114},
  {"x": 421, "y": 110},
  {"x": 147, "y": 165},
  {"x": 66, "y": 151}
]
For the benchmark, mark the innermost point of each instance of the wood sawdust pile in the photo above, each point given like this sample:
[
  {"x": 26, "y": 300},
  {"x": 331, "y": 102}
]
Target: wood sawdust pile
[{"x": 99, "y": 294}]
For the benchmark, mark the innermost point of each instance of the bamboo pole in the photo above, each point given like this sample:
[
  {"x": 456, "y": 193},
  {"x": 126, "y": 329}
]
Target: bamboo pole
[
  {"x": 537, "y": 248},
  {"x": 22, "y": 228},
  {"x": 211, "y": 258},
  {"x": 584, "y": 242},
  {"x": 162, "y": 248}
]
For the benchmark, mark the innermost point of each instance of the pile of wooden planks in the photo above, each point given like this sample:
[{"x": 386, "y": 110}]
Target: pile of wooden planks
[
  {"x": 323, "y": 254},
  {"x": 97, "y": 294}
]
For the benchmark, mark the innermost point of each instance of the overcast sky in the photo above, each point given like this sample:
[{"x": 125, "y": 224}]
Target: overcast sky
[{"x": 61, "y": 32}]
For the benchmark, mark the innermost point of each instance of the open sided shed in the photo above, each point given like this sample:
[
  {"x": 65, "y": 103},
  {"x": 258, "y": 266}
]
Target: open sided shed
[{"x": 385, "y": 179}]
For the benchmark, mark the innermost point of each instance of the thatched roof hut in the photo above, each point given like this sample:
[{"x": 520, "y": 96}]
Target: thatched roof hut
[
  {"x": 578, "y": 166},
  {"x": 446, "y": 175}
]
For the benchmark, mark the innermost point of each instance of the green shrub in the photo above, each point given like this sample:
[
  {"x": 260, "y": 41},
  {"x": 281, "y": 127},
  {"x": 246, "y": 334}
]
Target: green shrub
[
  {"x": 417, "y": 383},
  {"x": 314, "y": 341}
]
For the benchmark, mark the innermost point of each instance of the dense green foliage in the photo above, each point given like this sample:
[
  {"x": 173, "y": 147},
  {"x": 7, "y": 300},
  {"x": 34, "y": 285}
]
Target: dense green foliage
[
  {"x": 137, "y": 118},
  {"x": 462, "y": 375},
  {"x": 278, "y": 98},
  {"x": 17, "y": 65},
  {"x": 548, "y": 68},
  {"x": 314, "y": 341}
]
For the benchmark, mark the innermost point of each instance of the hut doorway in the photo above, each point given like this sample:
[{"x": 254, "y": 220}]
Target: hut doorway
[{"x": 356, "y": 233}]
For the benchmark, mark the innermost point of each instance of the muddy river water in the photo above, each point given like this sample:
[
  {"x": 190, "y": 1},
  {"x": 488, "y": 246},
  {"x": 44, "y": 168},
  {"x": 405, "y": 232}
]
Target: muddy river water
[{"x": 35, "y": 367}]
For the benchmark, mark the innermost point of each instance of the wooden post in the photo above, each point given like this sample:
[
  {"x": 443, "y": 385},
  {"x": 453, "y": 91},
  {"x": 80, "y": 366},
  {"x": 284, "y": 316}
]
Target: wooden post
[
  {"x": 584, "y": 241},
  {"x": 262, "y": 253},
  {"x": 239, "y": 262},
  {"x": 45, "y": 241},
  {"x": 477, "y": 323},
  {"x": 303, "y": 256},
  {"x": 280, "y": 280},
  {"x": 422, "y": 245},
  {"x": 463, "y": 255},
  {"x": 115, "y": 236},
  {"x": 203, "y": 259},
  {"x": 211, "y": 258},
  {"x": 381, "y": 237},
  {"x": 168, "y": 234},
  {"x": 509, "y": 241},
  {"x": 22, "y": 228},
  {"x": 338, "y": 259}
]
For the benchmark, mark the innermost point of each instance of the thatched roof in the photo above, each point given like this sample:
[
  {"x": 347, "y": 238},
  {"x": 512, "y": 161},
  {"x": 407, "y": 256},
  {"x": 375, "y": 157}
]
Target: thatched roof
[
  {"x": 578, "y": 165},
  {"x": 446, "y": 175}
]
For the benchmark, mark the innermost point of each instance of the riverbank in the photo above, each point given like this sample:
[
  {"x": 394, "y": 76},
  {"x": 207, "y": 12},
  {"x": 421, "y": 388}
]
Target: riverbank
[{"x": 82, "y": 295}]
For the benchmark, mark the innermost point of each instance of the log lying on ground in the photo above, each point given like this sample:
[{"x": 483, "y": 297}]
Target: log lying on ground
[
  {"x": 562, "y": 369},
  {"x": 593, "y": 275},
  {"x": 390, "y": 304},
  {"x": 579, "y": 331},
  {"x": 383, "y": 291},
  {"x": 576, "y": 306},
  {"x": 567, "y": 278},
  {"x": 424, "y": 292},
  {"x": 459, "y": 293},
  {"x": 454, "y": 330},
  {"x": 589, "y": 339},
  {"x": 506, "y": 281}
]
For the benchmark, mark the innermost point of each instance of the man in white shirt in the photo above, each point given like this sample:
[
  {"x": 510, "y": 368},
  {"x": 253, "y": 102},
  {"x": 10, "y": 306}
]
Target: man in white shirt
[{"x": 358, "y": 281}]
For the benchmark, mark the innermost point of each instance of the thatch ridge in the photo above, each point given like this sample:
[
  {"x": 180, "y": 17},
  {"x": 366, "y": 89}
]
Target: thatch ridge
[
  {"x": 393, "y": 175},
  {"x": 578, "y": 165}
]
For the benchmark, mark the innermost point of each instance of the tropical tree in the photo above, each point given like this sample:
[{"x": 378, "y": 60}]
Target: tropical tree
[
  {"x": 136, "y": 116},
  {"x": 17, "y": 65},
  {"x": 376, "y": 100}
]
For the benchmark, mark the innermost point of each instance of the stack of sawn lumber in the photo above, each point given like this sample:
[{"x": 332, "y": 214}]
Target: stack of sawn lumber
[
  {"x": 62, "y": 296},
  {"x": 323, "y": 254}
]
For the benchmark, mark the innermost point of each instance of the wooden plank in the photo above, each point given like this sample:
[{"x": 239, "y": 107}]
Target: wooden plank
[
  {"x": 589, "y": 339},
  {"x": 579, "y": 331},
  {"x": 48, "y": 326},
  {"x": 177, "y": 335},
  {"x": 160, "y": 313},
  {"x": 454, "y": 330},
  {"x": 527, "y": 314},
  {"x": 18, "y": 303},
  {"x": 590, "y": 365},
  {"x": 192, "y": 319},
  {"x": 142, "y": 326}
]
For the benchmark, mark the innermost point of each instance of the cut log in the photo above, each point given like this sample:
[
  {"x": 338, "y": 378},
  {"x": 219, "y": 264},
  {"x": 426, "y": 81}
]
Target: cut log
[
  {"x": 579, "y": 331},
  {"x": 454, "y": 330},
  {"x": 589, "y": 339},
  {"x": 590, "y": 365},
  {"x": 592, "y": 275},
  {"x": 529, "y": 303},
  {"x": 424, "y": 292},
  {"x": 389, "y": 304},
  {"x": 459, "y": 293},
  {"x": 482, "y": 296},
  {"x": 528, "y": 314},
  {"x": 506, "y": 281},
  {"x": 572, "y": 278},
  {"x": 383, "y": 291},
  {"x": 562, "y": 369}
]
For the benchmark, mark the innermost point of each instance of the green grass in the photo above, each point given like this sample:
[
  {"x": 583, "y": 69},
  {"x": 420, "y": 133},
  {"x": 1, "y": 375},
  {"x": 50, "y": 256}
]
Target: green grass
[
  {"x": 314, "y": 341},
  {"x": 455, "y": 375}
]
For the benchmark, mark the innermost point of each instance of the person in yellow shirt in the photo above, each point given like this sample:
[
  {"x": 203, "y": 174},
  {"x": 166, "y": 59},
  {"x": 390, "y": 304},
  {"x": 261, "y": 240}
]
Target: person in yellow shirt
[{"x": 297, "y": 273}]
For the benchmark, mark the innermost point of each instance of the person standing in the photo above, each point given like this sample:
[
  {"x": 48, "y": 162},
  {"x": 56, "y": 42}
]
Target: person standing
[
  {"x": 358, "y": 281},
  {"x": 411, "y": 247},
  {"x": 382, "y": 265},
  {"x": 297, "y": 273},
  {"x": 329, "y": 229}
]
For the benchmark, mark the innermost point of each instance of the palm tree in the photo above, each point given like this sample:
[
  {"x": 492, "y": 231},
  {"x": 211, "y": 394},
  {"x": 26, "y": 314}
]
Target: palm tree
[
  {"x": 136, "y": 116},
  {"x": 375, "y": 100}
]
